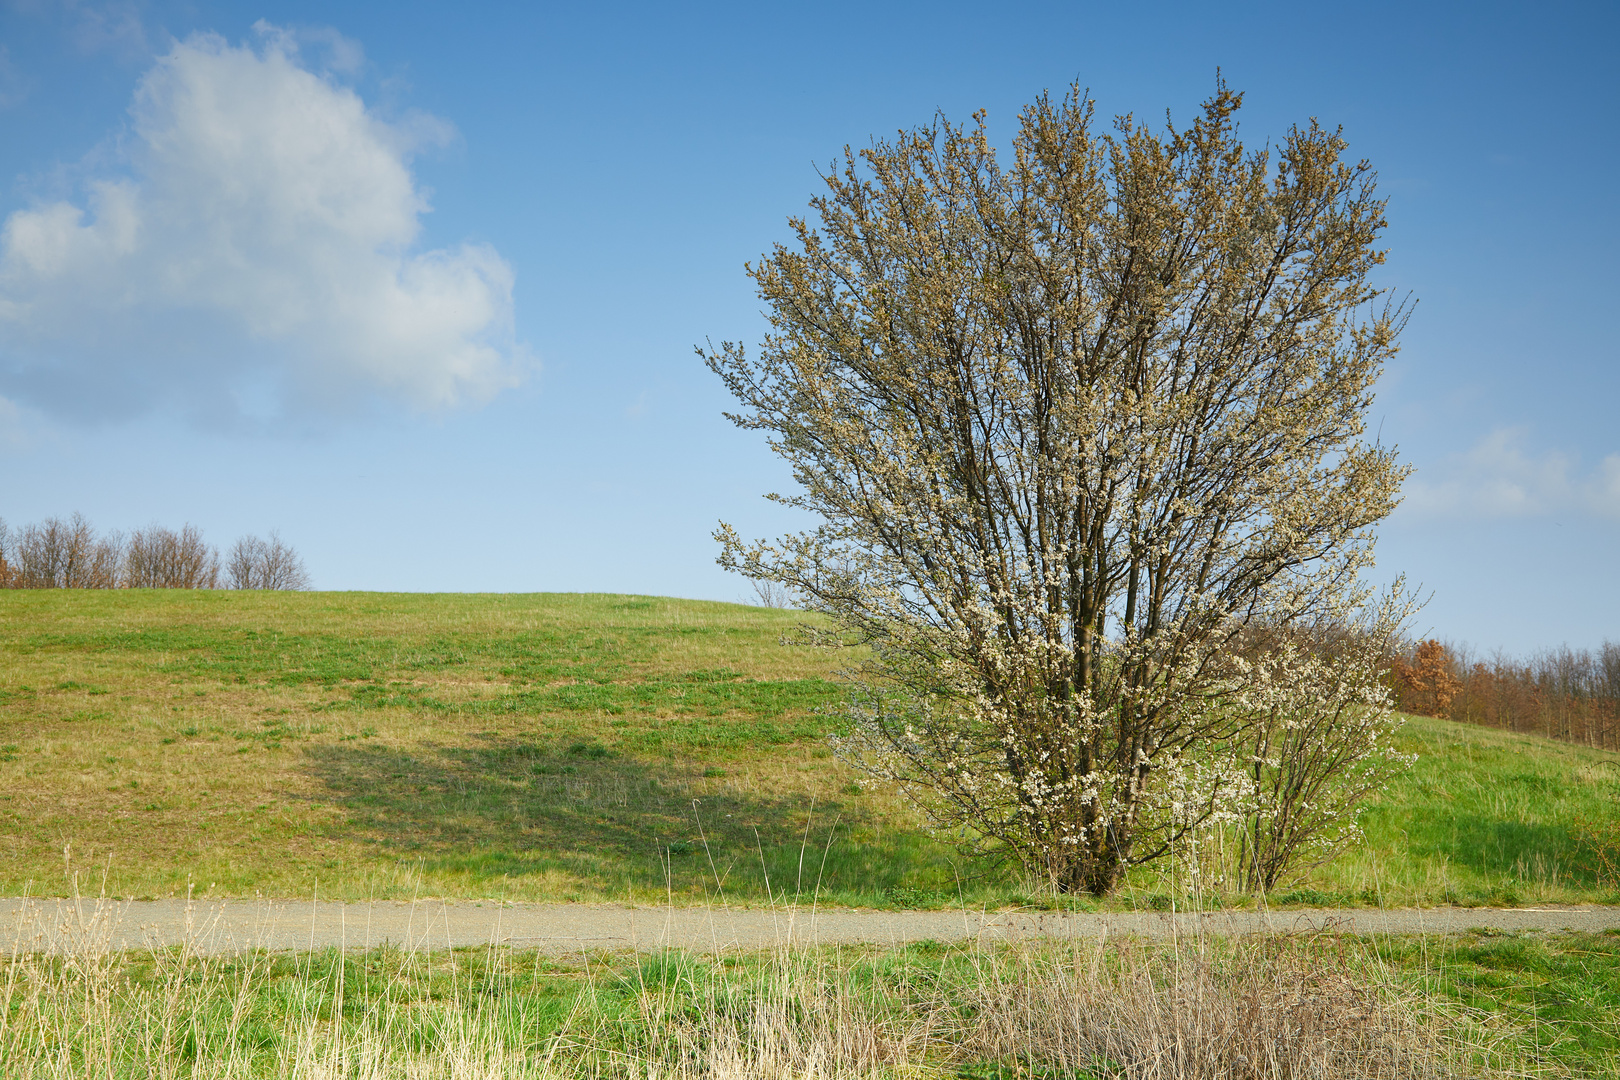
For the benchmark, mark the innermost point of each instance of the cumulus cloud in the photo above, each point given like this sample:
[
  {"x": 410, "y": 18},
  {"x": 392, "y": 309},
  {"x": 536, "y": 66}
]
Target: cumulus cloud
[
  {"x": 257, "y": 258},
  {"x": 1501, "y": 478}
]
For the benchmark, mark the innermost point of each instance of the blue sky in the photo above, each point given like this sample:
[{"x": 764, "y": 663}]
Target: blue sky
[{"x": 419, "y": 285}]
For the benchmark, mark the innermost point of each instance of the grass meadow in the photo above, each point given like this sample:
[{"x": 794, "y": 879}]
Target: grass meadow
[
  {"x": 586, "y": 747},
  {"x": 1515, "y": 1005},
  {"x": 661, "y": 751}
]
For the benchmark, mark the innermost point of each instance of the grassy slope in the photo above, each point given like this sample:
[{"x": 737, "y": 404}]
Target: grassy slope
[
  {"x": 1484, "y": 817},
  {"x": 571, "y": 747}
]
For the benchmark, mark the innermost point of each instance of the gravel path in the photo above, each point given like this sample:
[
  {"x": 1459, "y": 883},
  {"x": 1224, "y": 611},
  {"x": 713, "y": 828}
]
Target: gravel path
[{"x": 219, "y": 927}]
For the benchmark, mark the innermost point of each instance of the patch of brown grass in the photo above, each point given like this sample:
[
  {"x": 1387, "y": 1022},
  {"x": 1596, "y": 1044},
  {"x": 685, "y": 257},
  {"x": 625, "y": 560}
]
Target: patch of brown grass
[{"x": 1262, "y": 1010}]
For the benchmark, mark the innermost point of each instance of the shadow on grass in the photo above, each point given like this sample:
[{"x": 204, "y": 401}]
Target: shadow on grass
[
  {"x": 1505, "y": 847},
  {"x": 575, "y": 819},
  {"x": 1474, "y": 840}
]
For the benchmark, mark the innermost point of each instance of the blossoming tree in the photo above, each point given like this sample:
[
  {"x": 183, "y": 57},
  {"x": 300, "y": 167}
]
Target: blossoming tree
[{"x": 1078, "y": 425}]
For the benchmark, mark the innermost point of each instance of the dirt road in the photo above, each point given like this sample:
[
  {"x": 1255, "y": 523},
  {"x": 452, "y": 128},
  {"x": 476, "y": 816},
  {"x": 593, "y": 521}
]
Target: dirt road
[{"x": 228, "y": 926}]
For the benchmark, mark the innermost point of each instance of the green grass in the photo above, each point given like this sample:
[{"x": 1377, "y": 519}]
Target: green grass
[
  {"x": 574, "y": 747},
  {"x": 1532, "y": 1005},
  {"x": 1483, "y": 817},
  {"x": 1558, "y": 994},
  {"x": 540, "y": 747}
]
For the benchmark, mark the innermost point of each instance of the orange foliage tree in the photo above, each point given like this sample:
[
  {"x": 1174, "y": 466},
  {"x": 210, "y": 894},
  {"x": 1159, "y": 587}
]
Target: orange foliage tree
[{"x": 1425, "y": 684}]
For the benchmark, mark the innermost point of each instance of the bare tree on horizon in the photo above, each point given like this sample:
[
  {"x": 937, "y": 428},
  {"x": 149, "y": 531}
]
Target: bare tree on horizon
[
  {"x": 160, "y": 558},
  {"x": 265, "y": 564},
  {"x": 58, "y": 554}
]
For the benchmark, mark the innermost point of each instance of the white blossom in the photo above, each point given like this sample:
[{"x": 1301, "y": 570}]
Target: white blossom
[{"x": 1086, "y": 436}]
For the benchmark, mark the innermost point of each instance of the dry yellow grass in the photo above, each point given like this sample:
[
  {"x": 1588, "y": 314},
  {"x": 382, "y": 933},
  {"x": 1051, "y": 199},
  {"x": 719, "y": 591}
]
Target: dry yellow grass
[
  {"x": 1201, "y": 1009},
  {"x": 584, "y": 747},
  {"x": 527, "y": 746}
]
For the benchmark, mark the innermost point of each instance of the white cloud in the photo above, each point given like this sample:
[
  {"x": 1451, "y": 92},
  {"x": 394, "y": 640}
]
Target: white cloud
[
  {"x": 257, "y": 259},
  {"x": 1501, "y": 478}
]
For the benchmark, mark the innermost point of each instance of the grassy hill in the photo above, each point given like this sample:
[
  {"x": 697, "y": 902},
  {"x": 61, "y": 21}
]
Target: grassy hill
[{"x": 588, "y": 747}]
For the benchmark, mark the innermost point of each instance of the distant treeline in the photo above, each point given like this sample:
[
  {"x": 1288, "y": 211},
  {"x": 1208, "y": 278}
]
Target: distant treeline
[
  {"x": 1569, "y": 694},
  {"x": 71, "y": 554}
]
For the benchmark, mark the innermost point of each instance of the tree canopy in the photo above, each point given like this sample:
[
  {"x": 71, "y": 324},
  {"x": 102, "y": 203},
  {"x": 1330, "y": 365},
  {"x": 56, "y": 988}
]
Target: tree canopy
[{"x": 1086, "y": 433}]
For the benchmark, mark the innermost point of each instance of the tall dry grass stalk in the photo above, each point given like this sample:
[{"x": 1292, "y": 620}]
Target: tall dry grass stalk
[
  {"x": 1295, "y": 1009},
  {"x": 72, "y": 1008},
  {"x": 1281, "y": 1009},
  {"x": 792, "y": 1015}
]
